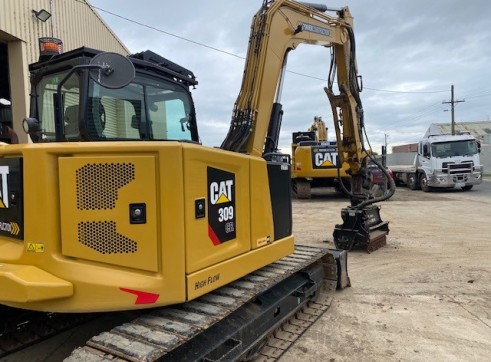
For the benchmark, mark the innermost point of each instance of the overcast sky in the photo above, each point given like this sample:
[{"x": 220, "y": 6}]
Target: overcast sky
[{"x": 408, "y": 52}]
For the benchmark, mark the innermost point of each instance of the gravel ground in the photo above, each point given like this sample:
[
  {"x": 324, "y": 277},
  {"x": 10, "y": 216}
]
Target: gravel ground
[{"x": 426, "y": 296}]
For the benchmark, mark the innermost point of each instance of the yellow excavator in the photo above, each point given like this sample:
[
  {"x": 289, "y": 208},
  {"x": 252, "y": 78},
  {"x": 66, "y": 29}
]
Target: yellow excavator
[
  {"x": 315, "y": 161},
  {"x": 116, "y": 206}
]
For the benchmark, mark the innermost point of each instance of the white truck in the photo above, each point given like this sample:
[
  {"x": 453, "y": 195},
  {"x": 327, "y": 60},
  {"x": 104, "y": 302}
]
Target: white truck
[{"x": 442, "y": 161}]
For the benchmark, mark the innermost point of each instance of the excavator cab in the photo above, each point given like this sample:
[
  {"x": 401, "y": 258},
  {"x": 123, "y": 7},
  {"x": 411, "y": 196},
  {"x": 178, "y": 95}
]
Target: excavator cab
[
  {"x": 303, "y": 138},
  {"x": 71, "y": 102}
]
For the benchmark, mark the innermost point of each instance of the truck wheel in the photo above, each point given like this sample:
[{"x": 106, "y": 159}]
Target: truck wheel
[
  {"x": 423, "y": 181},
  {"x": 467, "y": 188},
  {"x": 412, "y": 181},
  {"x": 301, "y": 188}
]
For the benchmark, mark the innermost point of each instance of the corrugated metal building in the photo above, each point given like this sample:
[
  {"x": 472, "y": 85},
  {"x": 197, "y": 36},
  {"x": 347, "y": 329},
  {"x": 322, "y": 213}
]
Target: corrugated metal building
[
  {"x": 22, "y": 24},
  {"x": 480, "y": 130}
]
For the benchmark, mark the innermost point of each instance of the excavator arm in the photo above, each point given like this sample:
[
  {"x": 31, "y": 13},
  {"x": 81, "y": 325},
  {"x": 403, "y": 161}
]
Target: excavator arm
[{"x": 277, "y": 28}]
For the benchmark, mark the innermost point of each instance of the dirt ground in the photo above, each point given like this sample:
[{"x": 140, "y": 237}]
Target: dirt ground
[{"x": 426, "y": 296}]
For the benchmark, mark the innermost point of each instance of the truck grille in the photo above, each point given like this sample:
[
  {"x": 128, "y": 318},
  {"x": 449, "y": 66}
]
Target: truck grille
[{"x": 457, "y": 168}]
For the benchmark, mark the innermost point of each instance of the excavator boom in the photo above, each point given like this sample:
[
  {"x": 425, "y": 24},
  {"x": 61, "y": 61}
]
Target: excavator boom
[{"x": 278, "y": 28}]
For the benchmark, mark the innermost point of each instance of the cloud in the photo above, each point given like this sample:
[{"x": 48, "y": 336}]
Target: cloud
[{"x": 403, "y": 46}]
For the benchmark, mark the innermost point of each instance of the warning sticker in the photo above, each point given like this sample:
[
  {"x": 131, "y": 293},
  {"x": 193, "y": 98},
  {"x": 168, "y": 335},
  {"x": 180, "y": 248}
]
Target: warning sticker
[{"x": 35, "y": 247}]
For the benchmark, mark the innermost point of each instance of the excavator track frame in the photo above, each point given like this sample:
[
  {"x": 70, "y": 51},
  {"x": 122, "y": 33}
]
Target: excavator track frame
[
  {"x": 22, "y": 328},
  {"x": 241, "y": 319}
]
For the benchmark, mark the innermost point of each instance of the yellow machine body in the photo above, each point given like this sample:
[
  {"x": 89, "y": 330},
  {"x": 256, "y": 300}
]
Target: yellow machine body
[
  {"x": 117, "y": 224},
  {"x": 81, "y": 250},
  {"x": 316, "y": 161}
]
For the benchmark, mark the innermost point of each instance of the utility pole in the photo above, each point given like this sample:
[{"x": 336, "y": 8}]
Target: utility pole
[
  {"x": 452, "y": 107},
  {"x": 384, "y": 151}
]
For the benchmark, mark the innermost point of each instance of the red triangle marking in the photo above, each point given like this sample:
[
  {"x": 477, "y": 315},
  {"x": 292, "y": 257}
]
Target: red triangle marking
[{"x": 142, "y": 297}]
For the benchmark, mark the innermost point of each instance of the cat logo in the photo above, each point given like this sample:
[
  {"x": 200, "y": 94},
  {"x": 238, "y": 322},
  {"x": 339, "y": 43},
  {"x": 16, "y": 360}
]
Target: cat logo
[
  {"x": 4, "y": 188},
  {"x": 221, "y": 206},
  {"x": 324, "y": 157},
  {"x": 323, "y": 160},
  {"x": 221, "y": 192}
]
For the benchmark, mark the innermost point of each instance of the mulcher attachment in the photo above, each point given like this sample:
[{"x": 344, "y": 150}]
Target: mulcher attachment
[{"x": 361, "y": 228}]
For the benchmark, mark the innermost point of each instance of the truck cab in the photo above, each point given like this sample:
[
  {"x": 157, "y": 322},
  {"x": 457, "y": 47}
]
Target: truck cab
[{"x": 447, "y": 161}]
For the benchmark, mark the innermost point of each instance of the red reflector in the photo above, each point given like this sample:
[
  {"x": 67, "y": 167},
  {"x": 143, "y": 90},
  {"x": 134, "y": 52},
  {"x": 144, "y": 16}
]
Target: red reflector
[{"x": 142, "y": 297}]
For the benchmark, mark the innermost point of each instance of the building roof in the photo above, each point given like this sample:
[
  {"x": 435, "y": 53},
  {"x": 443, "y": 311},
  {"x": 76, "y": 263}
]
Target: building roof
[{"x": 480, "y": 130}]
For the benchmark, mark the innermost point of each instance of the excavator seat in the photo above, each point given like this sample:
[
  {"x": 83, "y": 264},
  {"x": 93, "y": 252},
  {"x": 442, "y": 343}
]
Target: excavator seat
[{"x": 72, "y": 122}]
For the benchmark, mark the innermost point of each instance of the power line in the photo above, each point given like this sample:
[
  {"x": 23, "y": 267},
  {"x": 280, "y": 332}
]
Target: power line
[
  {"x": 160, "y": 30},
  {"x": 436, "y": 106},
  {"x": 236, "y": 55},
  {"x": 405, "y": 92},
  {"x": 424, "y": 114}
]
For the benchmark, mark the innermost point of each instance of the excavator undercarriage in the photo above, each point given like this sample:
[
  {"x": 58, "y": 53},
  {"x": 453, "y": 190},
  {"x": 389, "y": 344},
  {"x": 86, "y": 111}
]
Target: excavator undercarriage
[
  {"x": 260, "y": 314},
  {"x": 232, "y": 322}
]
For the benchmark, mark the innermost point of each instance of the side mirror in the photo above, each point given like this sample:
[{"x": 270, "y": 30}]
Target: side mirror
[
  {"x": 116, "y": 71},
  {"x": 426, "y": 151},
  {"x": 478, "y": 146}
]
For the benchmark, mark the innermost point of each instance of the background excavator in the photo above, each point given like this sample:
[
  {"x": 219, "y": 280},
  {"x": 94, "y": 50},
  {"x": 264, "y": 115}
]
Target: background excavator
[
  {"x": 315, "y": 161},
  {"x": 116, "y": 206}
]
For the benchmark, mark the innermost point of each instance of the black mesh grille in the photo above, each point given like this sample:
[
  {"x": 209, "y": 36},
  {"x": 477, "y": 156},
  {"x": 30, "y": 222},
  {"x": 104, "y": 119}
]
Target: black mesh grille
[
  {"x": 98, "y": 184},
  {"x": 102, "y": 237}
]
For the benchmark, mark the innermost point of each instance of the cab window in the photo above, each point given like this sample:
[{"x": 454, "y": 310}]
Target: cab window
[
  {"x": 147, "y": 108},
  {"x": 46, "y": 91}
]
